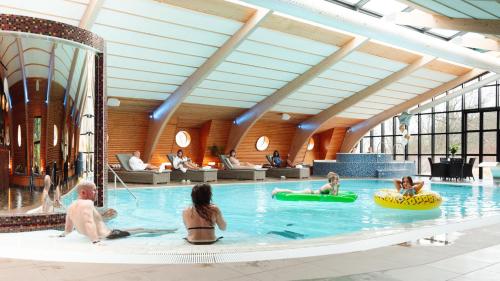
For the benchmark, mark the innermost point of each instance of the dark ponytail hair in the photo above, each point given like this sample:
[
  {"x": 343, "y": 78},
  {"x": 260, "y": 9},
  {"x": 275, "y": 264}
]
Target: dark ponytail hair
[
  {"x": 231, "y": 152},
  {"x": 201, "y": 195}
]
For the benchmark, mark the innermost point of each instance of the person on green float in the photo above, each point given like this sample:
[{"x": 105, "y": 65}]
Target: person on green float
[{"x": 331, "y": 188}]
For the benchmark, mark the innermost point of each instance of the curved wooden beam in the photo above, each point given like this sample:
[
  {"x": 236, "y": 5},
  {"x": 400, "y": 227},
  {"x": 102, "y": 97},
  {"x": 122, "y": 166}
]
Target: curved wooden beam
[
  {"x": 243, "y": 123},
  {"x": 355, "y": 133},
  {"x": 26, "y": 101},
  {"x": 161, "y": 115},
  {"x": 307, "y": 128}
]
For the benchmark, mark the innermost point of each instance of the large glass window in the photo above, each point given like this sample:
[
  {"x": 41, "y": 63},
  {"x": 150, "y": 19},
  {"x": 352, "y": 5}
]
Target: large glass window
[{"x": 470, "y": 121}]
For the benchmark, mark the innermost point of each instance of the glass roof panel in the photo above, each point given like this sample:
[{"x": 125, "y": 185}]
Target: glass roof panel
[
  {"x": 443, "y": 32},
  {"x": 384, "y": 7},
  {"x": 351, "y": 2}
]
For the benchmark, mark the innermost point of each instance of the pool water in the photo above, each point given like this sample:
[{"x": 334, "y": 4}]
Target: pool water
[{"x": 254, "y": 217}]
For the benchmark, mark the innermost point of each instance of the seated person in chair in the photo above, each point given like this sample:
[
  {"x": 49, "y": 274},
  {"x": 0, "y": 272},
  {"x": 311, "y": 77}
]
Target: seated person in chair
[
  {"x": 137, "y": 164},
  {"x": 276, "y": 159},
  {"x": 406, "y": 187},
  {"x": 183, "y": 163},
  {"x": 236, "y": 163}
]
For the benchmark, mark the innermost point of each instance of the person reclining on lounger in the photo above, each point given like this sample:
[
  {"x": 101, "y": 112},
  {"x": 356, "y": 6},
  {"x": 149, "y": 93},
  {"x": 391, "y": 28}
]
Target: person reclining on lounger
[
  {"x": 83, "y": 215},
  {"x": 183, "y": 163},
  {"x": 406, "y": 187},
  {"x": 201, "y": 218},
  {"x": 332, "y": 187},
  {"x": 236, "y": 163},
  {"x": 136, "y": 164}
]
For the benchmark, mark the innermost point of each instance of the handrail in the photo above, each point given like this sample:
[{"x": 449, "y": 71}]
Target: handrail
[{"x": 126, "y": 187}]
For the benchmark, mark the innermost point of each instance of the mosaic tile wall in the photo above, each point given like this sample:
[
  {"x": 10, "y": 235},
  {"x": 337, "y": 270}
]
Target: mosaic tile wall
[
  {"x": 100, "y": 152},
  {"x": 374, "y": 165},
  {"x": 17, "y": 23}
]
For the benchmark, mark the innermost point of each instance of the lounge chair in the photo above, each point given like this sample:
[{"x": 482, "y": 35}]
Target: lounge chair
[
  {"x": 299, "y": 173},
  {"x": 201, "y": 175},
  {"x": 231, "y": 172},
  {"x": 130, "y": 176}
]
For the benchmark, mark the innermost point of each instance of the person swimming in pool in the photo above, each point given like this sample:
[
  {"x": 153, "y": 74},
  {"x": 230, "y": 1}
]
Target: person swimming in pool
[
  {"x": 332, "y": 187},
  {"x": 83, "y": 216},
  {"x": 407, "y": 187},
  {"x": 201, "y": 218}
]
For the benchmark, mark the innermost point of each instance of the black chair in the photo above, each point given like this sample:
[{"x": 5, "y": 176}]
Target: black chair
[
  {"x": 438, "y": 169},
  {"x": 456, "y": 170},
  {"x": 468, "y": 168}
]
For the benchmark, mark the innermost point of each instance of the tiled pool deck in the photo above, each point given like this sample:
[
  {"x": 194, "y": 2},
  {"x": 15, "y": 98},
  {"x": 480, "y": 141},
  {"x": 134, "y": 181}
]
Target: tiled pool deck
[{"x": 475, "y": 255}]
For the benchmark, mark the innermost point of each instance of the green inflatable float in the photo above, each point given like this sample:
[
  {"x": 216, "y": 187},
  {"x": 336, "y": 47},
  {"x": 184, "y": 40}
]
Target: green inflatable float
[{"x": 343, "y": 196}]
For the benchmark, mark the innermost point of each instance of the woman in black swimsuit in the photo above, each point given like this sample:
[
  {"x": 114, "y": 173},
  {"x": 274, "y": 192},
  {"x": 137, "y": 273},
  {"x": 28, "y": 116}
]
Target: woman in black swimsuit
[{"x": 201, "y": 218}]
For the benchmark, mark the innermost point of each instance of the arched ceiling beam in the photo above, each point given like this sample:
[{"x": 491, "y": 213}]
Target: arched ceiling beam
[
  {"x": 307, "y": 128},
  {"x": 164, "y": 112},
  {"x": 90, "y": 15},
  {"x": 51, "y": 72},
  {"x": 484, "y": 26},
  {"x": 243, "y": 123},
  {"x": 337, "y": 17},
  {"x": 356, "y": 132},
  {"x": 79, "y": 88},
  {"x": 27, "y": 138}
]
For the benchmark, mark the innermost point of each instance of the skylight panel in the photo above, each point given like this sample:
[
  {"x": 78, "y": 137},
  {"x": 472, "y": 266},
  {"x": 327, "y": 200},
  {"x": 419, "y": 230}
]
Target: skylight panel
[
  {"x": 384, "y": 7},
  {"x": 443, "y": 32},
  {"x": 351, "y": 2}
]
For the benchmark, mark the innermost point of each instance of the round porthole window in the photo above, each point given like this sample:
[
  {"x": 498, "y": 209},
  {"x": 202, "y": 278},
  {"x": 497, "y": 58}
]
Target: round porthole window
[
  {"x": 56, "y": 134},
  {"x": 183, "y": 139},
  {"x": 310, "y": 145},
  {"x": 262, "y": 143}
]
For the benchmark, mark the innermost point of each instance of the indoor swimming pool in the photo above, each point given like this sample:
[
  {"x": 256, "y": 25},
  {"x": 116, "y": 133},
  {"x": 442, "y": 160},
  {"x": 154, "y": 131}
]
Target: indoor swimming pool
[{"x": 254, "y": 217}]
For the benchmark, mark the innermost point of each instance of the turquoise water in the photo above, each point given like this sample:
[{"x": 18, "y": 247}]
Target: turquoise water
[{"x": 253, "y": 216}]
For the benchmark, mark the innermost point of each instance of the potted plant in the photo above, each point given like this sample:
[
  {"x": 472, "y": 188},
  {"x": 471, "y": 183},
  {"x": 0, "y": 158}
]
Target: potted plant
[
  {"x": 216, "y": 151},
  {"x": 453, "y": 149}
]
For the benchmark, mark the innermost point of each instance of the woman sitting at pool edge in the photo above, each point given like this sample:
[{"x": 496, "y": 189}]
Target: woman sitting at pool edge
[
  {"x": 332, "y": 187},
  {"x": 406, "y": 186},
  {"x": 201, "y": 218}
]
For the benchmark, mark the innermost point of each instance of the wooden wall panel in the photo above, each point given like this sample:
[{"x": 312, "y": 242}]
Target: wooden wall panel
[
  {"x": 324, "y": 142},
  {"x": 335, "y": 143},
  {"x": 37, "y": 108},
  {"x": 165, "y": 145},
  {"x": 280, "y": 136},
  {"x": 217, "y": 135},
  {"x": 126, "y": 131},
  {"x": 193, "y": 149}
]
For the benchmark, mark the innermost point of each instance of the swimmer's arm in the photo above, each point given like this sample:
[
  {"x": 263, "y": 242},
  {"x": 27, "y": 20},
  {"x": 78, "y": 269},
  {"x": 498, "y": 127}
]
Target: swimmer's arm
[
  {"x": 219, "y": 219},
  {"x": 418, "y": 185},
  {"x": 397, "y": 184}
]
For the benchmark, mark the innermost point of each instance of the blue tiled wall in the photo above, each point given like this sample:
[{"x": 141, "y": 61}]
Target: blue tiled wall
[{"x": 365, "y": 165}]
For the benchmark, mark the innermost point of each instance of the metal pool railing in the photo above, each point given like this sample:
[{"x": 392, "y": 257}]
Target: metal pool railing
[{"x": 121, "y": 181}]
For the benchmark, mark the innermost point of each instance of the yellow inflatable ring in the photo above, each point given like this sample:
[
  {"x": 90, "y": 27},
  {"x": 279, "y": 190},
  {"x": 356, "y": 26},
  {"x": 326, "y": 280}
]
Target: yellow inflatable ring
[{"x": 424, "y": 200}]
